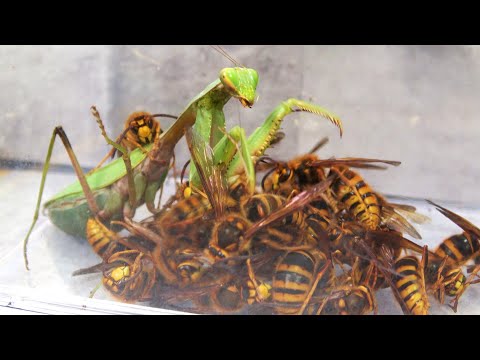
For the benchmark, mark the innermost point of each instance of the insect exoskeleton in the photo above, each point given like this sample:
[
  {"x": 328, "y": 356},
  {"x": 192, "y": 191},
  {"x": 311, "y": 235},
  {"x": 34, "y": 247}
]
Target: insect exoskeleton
[
  {"x": 357, "y": 197},
  {"x": 186, "y": 221},
  {"x": 115, "y": 191},
  {"x": 285, "y": 177},
  {"x": 349, "y": 300},
  {"x": 142, "y": 127},
  {"x": 288, "y": 230},
  {"x": 459, "y": 248},
  {"x": 444, "y": 273},
  {"x": 295, "y": 276},
  {"x": 409, "y": 281},
  {"x": 295, "y": 174},
  {"x": 186, "y": 209},
  {"x": 259, "y": 206},
  {"x": 227, "y": 298},
  {"x": 252, "y": 293},
  {"x": 226, "y": 236},
  {"x": 131, "y": 276},
  {"x": 369, "y": 208},
  {"x": 232, "y": 298},
  {"x": 189, "y": 264},
  {"x": 232, "y": 291},
  {"x": 102, "y": 239},
  {"x": 222, "y": 299},
  {"x": 319, "y": 216},
  {"x": 444, "y": 279},
  {"x": 370, "y": 274}
]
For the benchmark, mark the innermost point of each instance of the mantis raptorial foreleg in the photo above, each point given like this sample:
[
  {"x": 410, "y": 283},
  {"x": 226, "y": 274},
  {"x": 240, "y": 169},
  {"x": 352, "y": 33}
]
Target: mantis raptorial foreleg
[
  {"x": 261, "y": 138},
  {"x": 231, "y": 143},
  {"x": 237, "y": 143},
  {"x": 132, "y": 198}
]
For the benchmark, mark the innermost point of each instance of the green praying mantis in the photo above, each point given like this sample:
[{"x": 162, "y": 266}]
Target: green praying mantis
[{"x": 114, "y": 191}]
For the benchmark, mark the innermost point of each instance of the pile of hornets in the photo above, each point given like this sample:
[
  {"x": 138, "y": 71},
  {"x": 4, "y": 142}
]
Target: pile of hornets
[{"x": 245, "y": 232}]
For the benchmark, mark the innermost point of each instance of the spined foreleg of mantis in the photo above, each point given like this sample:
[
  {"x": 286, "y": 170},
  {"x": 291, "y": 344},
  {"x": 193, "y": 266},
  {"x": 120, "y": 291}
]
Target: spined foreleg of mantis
[
  {"x": 132, "y": 198},
  {"x": 261, "y": 138}
]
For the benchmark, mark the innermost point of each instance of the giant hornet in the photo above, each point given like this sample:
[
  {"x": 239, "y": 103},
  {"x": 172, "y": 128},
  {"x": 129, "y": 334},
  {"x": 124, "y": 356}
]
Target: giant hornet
[
  {"x": 350, "y": 297},
  {"x": 445, "y": 273},
  {"x": 128, "y": 275},
  {"x": 348, "y": 192},
  {"x": 140, "y": 128},
  {"x": 297, "y": 276}
]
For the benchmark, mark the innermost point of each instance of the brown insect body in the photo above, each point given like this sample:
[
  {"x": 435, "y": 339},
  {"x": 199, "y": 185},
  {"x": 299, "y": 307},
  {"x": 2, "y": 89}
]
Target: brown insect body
[
  {"x": 295, "y": 174},
  {"x": 144, "y": 129},
  {"x": 131, "y": 276},
  {"x": 349, "y": 300}
]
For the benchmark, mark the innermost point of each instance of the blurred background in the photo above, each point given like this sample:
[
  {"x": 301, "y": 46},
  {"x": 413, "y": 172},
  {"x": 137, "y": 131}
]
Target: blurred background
[{"x": 415, "y": 104}]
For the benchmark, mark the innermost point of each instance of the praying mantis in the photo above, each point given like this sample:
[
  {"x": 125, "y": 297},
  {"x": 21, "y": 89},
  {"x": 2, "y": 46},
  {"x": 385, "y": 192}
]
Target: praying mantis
[{"x": 114, "y": 191}]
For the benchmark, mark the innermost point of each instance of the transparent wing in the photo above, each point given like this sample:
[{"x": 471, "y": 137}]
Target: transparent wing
[
  {"x": 363, "y": 163},
  {"x": 294, "y": 204},
  {"x": 213, "y": 177},
  {"x": 397, "y": 222},
  {"x": 457, "y": 219}
]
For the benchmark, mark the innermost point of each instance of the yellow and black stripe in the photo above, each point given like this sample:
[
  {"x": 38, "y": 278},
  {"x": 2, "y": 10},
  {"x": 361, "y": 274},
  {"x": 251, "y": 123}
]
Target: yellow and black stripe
[
  {"x": 259, "y": 206},
  {"x": 176, "y": 219},
  {"x": 101, "y": 238},
  {"x": 226, "y": 236},
  {"x": 357, "y": 197},
  {"x": 294, "y": 277},
  {"x": 460, "y": 248},
  {"x": 319, "y": 216},
  {"x": 252, "y": 295},
  {"x": 292, "y": 282},
  {"x": 189, "y": 208},
  {"x": 132, "y": 276},
  {"x": 144, "y": 129},
  {"x": 304, "y": 173},
  {"x": 297, "y": 174},
  {"x": 409, "y": 282},
  {"x": 188, "y": 266},
  {"x": 451, "y": 282}
]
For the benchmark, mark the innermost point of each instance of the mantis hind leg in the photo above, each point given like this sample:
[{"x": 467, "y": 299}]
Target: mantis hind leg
[{"x": 80, "y": 175}]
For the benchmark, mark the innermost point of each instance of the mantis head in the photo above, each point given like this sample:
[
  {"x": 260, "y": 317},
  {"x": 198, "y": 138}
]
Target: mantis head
[{"x": 240, "y": 83}]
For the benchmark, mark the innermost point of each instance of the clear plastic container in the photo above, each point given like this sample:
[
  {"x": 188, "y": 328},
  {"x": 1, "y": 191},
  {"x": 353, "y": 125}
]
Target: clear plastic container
[{"x": 403, "y": 103}]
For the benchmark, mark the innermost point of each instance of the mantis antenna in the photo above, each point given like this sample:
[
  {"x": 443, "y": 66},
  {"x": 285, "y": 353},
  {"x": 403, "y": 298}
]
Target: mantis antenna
[{"x": 222, "y": 51}]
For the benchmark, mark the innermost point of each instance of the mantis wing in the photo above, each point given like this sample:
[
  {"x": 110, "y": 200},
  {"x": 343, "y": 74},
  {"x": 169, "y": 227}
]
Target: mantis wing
[{"x": 213, "y": 177}]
